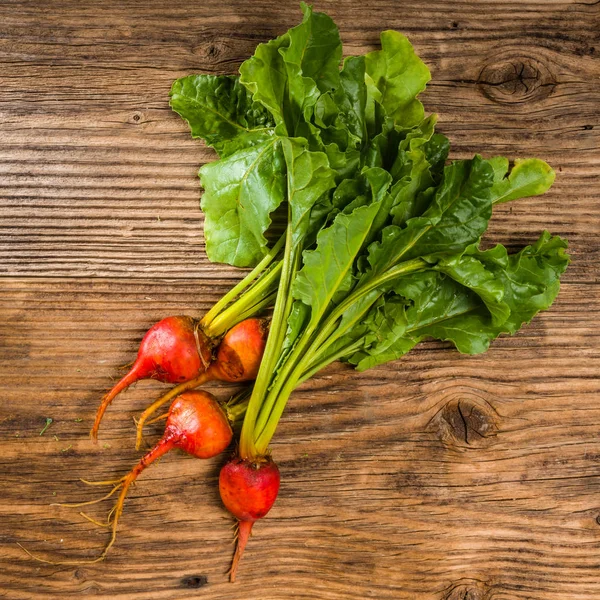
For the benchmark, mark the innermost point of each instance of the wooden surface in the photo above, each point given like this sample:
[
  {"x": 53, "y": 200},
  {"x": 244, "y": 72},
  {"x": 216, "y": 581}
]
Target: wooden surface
[{"x": 436, "y": 477}]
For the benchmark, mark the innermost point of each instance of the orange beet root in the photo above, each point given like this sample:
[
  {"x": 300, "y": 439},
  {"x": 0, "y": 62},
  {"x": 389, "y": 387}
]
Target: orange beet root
[{"x": 241, "y": 350}]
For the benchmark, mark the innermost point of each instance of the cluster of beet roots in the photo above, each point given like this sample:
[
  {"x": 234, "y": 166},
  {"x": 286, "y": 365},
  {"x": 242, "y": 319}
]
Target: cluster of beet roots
[{"x": 177, "y": 351}]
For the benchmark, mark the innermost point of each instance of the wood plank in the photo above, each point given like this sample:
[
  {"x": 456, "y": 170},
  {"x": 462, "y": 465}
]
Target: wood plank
[{"x": 439, "y": 476}]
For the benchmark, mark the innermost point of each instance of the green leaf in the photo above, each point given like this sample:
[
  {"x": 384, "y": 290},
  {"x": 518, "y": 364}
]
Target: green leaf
[
  {"x": 432, "y": 304},
  {"x": 265, "y": 77},
  {"x": 351, "y": 97},
  {"x": 386, "y": 341},
  {"x": 345, "y": 163},
  {"x": 531, "y": 278},
  {"x": 531, "y": 281},
  {"x": 241, "y": 192},
  {"x": 317, "y": 49},
  {"x": 458, "y": 216},
  {"x": 379, "y": 182},
  {"x": 529, "y": 177},
  {"x": 326, "y": 268},
  {"x": 411, "y": 172},
  {"x": 288, "y": 74},
  {"x": 500, "y": 166},
  {"x": 399, "y": 75},
  {"x": 427, "y": 297},
  {"x": 365, "y": 188},
  {"x": 220, "y": 111},
  {"x": 445, "y": 310},
  {"x": 471, "y": 273},
  {"x": 309, "y": 177},
  {"x": 436, "y": 153}
]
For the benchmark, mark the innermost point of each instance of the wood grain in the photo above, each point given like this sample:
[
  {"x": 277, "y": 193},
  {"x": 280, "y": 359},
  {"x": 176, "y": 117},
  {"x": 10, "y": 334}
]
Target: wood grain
[{"x": 438, "y": 477}]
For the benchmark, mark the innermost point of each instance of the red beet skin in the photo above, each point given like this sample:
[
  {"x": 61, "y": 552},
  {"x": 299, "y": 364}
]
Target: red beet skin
[
  {"x": 240, "y": 351},
  {"x": 173, "y": 350},
  {"x": 248, "y": 491}
]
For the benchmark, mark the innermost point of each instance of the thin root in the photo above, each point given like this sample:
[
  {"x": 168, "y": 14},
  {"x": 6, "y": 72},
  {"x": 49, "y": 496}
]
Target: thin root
[
  {"x": 164, "y": 416},
  {"x": 113, "y": 516},
  {"x": 115, "y": 512},
  {"x": 107, "y": 482},
  {"x": 111, "y": 513},
  {"x": 91, "y": 520},
  {"x": 89, "y": 502},
  {"x": 62, "y": 562}
]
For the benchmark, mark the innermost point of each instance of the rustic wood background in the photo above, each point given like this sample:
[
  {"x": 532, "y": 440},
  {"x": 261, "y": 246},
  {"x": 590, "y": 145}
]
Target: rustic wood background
[{"x": 436, "y": 477}]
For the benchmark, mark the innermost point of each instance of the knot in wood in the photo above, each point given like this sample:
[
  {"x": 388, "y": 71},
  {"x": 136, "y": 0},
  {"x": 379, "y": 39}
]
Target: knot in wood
[
  {"x": 212, "y": 51},
  {"x": 211, "y": 48},
  {"x": 194, "y": 581},
  {"x": 515, "y": 80},
  {"x": 466, "y": 422},
  {"x": 467, "y": 591}
]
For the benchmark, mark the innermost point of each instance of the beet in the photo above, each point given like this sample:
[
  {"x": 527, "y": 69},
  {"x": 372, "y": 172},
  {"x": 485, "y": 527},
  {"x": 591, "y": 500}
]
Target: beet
[
  {"x": 248, "y": 490},
  {"x": 240, "y": 352}
]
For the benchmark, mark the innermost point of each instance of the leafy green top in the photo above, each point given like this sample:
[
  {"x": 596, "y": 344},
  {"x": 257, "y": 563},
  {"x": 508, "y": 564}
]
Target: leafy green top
[{"x": 382, "y": 239}]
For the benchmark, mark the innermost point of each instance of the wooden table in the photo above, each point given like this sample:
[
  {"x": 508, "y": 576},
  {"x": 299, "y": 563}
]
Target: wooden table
[{"x": 438, "y": 476}]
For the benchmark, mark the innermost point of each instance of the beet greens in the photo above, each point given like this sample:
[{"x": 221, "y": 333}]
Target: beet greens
[{"x": 383, "y": 235}]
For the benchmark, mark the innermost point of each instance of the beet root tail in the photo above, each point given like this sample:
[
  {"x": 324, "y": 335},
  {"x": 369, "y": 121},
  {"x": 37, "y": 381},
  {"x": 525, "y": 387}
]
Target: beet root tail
[
  {"x": 155, "y": 453},
  {"x": 123, "y": 384},
  {"x": 123, "y": 485},
  {"x": 244, "y": 531}
]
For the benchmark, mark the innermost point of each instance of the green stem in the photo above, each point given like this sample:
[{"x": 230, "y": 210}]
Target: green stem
[
  {"x": 316, "y": 366},
  {"x": 331, "y": 329},
  {"x": 308, "y": 349},
  {"x": 247, "y": 447},
  {"x": 261, "y": 446},
  {"x": 337, "y": 327},
  {"x": 263, "y": 304},
  {"x": 237, "y": 406},
  {"x": 243, "y": 284},
  {"x": 282, "y": 377},
  {"x": 262, "y": 289}
]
